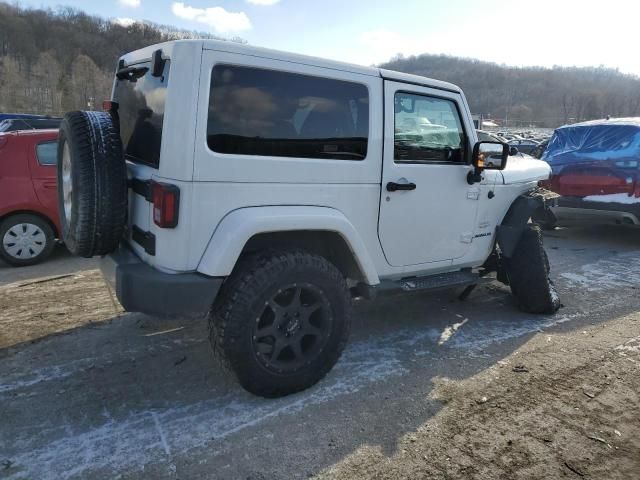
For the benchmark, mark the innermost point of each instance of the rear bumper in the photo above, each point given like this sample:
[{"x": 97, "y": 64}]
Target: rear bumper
[
  {"x": 141, "y": 288},
  {"x": 572, "y": 208}
]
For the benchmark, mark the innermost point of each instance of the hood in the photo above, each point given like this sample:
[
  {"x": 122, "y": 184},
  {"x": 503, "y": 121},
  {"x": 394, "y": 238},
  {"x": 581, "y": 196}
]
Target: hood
[{"x": 524, "y": 169}]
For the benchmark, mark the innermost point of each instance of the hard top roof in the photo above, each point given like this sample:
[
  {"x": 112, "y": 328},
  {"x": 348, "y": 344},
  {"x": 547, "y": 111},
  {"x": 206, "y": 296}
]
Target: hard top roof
[{"x": 242, "y": 49}]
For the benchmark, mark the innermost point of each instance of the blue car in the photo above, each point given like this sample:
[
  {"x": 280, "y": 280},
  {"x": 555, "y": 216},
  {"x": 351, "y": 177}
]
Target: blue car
[{"x": 596, "y": 170}]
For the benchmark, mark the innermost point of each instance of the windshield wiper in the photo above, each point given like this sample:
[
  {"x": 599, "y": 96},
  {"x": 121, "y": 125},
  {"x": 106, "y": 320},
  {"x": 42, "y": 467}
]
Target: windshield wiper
[{"x": 131, "y": 73}]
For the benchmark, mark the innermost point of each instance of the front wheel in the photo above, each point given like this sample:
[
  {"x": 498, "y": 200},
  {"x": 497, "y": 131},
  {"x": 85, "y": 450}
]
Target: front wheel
[
  {"x": 26, "y": 240},
  {"x": 281, "y": 321},
  {"x": 528, "y": 274}
]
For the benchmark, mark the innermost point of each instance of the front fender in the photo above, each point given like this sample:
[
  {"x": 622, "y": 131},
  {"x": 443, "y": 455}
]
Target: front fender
[
  {"x": 236, "y": 228},
  {"x": 517, "y": 217}
]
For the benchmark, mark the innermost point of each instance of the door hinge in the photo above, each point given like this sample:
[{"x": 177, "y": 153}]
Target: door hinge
[
  {"x": 473, "y": 194},
  {"x": 142, "y": 188},
  {"x": 146, "y": 240}
]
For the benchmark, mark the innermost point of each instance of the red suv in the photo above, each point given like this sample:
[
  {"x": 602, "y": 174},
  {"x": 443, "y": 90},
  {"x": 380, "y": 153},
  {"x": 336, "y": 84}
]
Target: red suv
[{"x": 29, "y": 221}]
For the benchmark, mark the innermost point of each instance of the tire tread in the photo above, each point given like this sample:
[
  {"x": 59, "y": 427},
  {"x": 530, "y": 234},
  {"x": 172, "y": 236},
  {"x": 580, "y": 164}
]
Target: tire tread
[
  {"x": 101, "y": 199},
  {"x": 236, "y": 298},
  {"x": 528, "y": 272}
]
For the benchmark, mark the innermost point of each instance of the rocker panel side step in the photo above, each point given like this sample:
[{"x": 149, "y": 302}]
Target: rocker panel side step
[{"x": 431, "y": 282}]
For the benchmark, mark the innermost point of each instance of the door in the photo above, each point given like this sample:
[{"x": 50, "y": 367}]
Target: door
[
  {"x": 427, "y": 208},
  {"x": 43, "y": 173}
]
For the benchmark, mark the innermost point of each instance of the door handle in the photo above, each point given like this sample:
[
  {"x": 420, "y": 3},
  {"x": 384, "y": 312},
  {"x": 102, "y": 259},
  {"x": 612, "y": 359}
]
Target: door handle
[{"x": 393, "y": 186}]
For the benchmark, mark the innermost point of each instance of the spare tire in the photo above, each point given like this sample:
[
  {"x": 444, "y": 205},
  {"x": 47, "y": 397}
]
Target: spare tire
[{"x": 92, "y": 183}]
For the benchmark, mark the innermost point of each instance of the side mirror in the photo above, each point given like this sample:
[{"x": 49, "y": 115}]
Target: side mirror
[
  {"x": 513, "y": 151},
  {"x": 487, "y": 156}
]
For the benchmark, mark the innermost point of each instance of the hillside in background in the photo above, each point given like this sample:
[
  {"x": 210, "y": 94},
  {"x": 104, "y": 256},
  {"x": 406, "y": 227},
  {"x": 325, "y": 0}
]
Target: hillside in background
[
  {"x": 522, "y": 96},
  {"x": 53, "y": 61}
]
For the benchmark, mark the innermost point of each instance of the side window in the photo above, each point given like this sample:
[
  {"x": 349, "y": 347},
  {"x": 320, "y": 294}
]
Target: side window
[
  {"x": 47, "y": 153},
  {"x": 427, "y": 129},
  {"x": 272, "y": 113}
]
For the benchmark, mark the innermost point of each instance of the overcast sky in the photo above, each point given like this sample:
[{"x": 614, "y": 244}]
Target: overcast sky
[{"x": 540, "y": 32}]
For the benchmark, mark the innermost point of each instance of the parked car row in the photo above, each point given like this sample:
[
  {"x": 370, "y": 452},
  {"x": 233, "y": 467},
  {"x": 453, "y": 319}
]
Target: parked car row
[{"x": 531, "y": 142}]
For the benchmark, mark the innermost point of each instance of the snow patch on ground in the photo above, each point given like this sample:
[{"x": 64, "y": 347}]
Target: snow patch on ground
[
  {"x": 630, "y": 350},
  {"x": 46, "y": 374},
  {"x": 632, "y": 346},
  {"x": 613, "y": 198},
  {"x": 126, "y": 445},
  {"x": 156, "y": 435},
  {"x": 19, "y": 379},
  {"x": 620, "y": 271},
  {"x": 449, "y": 331}
]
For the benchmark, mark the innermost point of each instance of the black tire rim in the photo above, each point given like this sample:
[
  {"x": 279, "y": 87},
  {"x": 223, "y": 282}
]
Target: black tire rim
[{"x": 293, "y": 328}]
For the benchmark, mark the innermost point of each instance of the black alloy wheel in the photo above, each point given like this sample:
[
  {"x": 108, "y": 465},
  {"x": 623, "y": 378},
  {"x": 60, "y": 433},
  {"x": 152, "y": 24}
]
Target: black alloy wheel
[{"x": 293, "y": 328}]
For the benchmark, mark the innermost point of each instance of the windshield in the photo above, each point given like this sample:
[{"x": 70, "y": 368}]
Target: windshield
[{"x": 141, "y": 102}]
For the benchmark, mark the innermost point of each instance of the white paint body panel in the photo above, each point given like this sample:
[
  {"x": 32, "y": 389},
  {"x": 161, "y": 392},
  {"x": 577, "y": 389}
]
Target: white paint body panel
[
  {"x": 240, "y": 225},
  {"x": 226, "y": 199},
  {"x": 425, "y": 225},
  {"x": 525, "y": 169}
]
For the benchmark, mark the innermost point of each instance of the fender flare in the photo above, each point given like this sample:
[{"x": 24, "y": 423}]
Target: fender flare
[
  {"x": 515, "y": 221},
  {"x": 237, "y": 228}
]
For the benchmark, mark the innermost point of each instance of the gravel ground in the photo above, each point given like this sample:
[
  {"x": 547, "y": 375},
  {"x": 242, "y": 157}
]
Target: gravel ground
[{"x": 429, "y": 387}]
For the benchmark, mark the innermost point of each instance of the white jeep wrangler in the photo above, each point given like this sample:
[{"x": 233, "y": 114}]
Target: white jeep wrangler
[{"x": 268, "y": 189}]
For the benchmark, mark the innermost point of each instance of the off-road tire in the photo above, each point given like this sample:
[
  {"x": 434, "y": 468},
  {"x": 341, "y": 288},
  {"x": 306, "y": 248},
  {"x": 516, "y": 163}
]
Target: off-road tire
[
  {"x": 242, "y": 299},
  {"x": 544, "y": 218},
  {"x": 528, "y": 274},
  {"x": 27, "y": 219},
  {"x": 99, "y": 184}
]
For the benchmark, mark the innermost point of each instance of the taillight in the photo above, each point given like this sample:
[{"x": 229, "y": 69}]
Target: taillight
[
  {"x": 108, "y": 105},
  {"x": 166, "y": 202}
]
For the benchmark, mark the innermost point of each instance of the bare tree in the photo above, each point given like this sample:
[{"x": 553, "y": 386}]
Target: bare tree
[
  {"x": 12, "y": 86},
  {"x": 43, "y": 83}
]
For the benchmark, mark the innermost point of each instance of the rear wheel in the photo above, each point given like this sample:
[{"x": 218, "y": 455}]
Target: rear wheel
[
  {"x": 281, "y": 321},
  {"x": 26, "y": 239},
  {"x": 528, "y": 274}
]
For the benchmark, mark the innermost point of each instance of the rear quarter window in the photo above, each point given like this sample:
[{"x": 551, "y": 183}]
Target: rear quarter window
[
  {"x": 264, "y": 112},
  {"x": 47, "y": 152}
]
